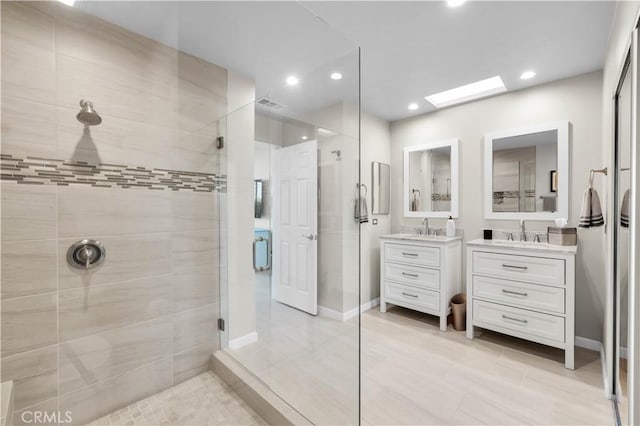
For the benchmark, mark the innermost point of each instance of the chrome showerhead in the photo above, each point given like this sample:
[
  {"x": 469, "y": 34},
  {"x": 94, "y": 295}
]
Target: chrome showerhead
[{"x": 88, "y": 116}]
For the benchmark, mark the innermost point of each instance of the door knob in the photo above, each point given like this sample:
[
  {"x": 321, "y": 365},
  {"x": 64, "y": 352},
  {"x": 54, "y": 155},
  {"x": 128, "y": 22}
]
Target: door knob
[{"x": 309, "y": 237}]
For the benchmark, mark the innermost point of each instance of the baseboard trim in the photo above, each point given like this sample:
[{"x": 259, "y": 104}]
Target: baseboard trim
[
  {"x": 245, "y": 340},
  {"x": 345, "y": 316},
  {"x": 586, "y": 343}
]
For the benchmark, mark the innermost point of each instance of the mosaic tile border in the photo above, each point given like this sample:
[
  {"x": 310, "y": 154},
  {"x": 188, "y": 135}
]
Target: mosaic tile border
[{"x": 47, "y": 171}]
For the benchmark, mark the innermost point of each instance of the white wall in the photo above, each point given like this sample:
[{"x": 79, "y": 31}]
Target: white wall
[{"x": 578, "y": 100}]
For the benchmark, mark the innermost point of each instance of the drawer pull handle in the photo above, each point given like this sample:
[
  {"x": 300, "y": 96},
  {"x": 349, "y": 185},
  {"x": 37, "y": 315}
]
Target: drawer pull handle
[
  {"x": 410, "y": 295},
  {"x": 410, "y": 254},
  {"x": 524, "y": 268},
  {"x": 517, "y": 293},
  {"x": 523, "y": 321},
  {"x": 406, "y": 274}
]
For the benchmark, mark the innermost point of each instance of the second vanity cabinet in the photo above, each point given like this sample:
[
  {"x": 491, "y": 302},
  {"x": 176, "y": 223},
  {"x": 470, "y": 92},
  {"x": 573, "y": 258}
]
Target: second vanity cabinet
[
  {"x": 420, "y": 273},
  {"x": 524, "y": 290}
]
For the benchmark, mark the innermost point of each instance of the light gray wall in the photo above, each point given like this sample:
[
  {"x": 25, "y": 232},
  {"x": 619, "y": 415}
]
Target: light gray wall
[
  {"x": 578, "y": 100},
  {"x": 375, "y": 146},
  {"x": 240, "y": 136}
]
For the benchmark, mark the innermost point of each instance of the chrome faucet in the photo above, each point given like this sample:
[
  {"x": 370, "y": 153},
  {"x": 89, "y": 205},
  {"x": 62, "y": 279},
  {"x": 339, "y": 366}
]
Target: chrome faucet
[
  {"x": 523, "y": 234},
  {"x": 425, "y": 222}
]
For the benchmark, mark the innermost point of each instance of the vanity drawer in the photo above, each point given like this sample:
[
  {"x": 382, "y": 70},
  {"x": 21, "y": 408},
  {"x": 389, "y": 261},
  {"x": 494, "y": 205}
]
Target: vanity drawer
[
  {"x": 413, "y": 296},
  {"x": 532, "y": 296},
  {"x": 412, "y": 275},
  {"x": 418, "y": 255},
  {"x": 546, "y": 326},
  {"x": 522, "y": 268}
]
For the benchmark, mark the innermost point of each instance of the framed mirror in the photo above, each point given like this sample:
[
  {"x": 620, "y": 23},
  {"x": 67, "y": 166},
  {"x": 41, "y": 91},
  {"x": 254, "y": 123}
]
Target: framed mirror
[
  {"x": 526, "y": 173},
  {"x": 380, "y": 183},
  {"x": 430, "y": 182}
]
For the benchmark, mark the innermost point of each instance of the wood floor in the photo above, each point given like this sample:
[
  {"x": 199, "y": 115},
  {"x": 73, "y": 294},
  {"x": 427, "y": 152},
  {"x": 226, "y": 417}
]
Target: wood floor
[{"x": 414, "y": 374}]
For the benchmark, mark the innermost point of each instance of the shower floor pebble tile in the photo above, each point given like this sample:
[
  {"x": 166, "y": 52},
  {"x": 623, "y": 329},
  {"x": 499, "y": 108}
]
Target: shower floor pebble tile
[{"x": 201, "y": 401}]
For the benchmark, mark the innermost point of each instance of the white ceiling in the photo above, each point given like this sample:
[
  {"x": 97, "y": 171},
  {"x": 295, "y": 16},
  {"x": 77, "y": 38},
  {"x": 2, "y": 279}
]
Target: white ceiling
[{"x": 408, "y": 49}]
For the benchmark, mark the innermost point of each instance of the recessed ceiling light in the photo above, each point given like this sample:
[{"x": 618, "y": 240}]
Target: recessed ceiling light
[
  {"x": 292, "y": 80},
  {"x": 304, "y": 138},
  {"x": 413, "y": 106},
  {"x": 67, "y": 2},
  {"x": 477, "y": 90},
  {"x": 455, "y": 3},
  {"x": 527, "y": 75},
  {"x": 336, "y": 76}
]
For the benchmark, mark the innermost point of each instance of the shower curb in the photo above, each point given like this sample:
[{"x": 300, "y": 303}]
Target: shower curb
[{"x": 254, "y": 392}]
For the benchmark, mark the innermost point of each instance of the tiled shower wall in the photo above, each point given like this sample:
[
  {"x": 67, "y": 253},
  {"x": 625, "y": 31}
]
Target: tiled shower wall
[{"x": 145, "y": 183}]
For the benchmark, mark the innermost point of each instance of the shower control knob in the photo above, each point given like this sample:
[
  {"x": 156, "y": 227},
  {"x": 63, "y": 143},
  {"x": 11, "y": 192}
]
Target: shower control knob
[{"x": 86, "y": 254}]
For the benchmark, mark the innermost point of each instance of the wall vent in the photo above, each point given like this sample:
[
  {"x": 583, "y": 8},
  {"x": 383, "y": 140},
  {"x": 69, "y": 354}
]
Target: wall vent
[{"x": 267, "y": 103}]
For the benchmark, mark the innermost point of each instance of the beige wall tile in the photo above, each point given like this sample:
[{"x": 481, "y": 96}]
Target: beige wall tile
[
  {"x": 88, "y": 360},
  {"x": 94, "y": 40},
  {"x": 95, "y": 309},
  {"x": 120, "y": 93},
  {"x": 29, "y": 267},
  {"x": 28, "y": 128},
  {"x": 198, "y": 76},
  {"x": 115, "y": 141},
  {"x": 195, "y": 269},
  {"x": 196, "y": 152},
  {"x": 25, "y": 416},
  {"x": 194, "y": 211},
  {"x": 28, "y": 212},
  {"x": 34, "y": 374},
  {"x": 195, "y": 327},
  {"x": 28, "y": 323},
  {"x": 127, "y": 257},
  {"x": 192, "y": 362},
  {"x": 111, "y": 394},
  {"x": 28, "y": 60},
  {"x": 83, "y": 212}
]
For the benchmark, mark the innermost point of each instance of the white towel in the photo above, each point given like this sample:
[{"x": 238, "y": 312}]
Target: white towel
[
  {"x": 360, "y": 210},
  {"x": 591, "y": 212},
  {"x": 624, "y": 210}
]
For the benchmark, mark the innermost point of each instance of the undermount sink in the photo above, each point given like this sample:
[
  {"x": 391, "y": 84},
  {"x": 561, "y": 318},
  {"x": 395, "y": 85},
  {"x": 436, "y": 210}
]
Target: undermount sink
[
  {"x": 416, "y": 237},
  {"x": 422, "y": 237},
  {"x": 530, "y": 245}
]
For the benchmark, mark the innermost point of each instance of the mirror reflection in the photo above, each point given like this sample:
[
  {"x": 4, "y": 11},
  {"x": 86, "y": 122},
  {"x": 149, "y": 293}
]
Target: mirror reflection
[
  {"x": 431, "y": 179},
  {"x": 525, "y": 173}
]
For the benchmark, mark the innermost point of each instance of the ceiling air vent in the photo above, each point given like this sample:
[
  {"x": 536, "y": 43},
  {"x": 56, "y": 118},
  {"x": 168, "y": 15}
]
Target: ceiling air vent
[{"x": 265, "y": 102}]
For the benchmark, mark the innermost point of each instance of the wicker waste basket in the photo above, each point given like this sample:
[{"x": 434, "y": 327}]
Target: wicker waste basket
[{"x": 459, "y": 311}]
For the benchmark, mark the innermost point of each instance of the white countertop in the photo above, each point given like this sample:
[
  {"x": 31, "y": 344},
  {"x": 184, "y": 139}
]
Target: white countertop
[
  {"x": 420, "y": 238},
  {"x": 516, "y": 245}
]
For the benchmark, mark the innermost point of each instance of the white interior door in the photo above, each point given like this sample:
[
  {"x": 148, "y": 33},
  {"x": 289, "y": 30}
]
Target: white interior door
[{"x": 294, "y": 172}]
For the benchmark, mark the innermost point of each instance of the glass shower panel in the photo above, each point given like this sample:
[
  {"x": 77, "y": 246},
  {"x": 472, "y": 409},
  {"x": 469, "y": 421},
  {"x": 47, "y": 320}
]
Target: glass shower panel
[
  {"x": 292, "y": 294},
  {"x": 623, "y": 185}
]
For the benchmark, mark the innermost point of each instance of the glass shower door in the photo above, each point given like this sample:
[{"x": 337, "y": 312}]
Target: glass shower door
[{"x": 290, "y": 285}]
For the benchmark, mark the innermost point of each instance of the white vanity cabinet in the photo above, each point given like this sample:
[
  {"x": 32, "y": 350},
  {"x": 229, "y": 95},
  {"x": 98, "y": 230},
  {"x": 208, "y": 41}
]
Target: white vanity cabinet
[
  {"x": 420, "y": 273},
  {"x": 524, "y": 290}
]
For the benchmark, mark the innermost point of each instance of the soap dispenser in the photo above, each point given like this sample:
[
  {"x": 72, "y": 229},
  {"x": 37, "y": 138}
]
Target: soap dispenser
[{"x": 451, "y": 227}]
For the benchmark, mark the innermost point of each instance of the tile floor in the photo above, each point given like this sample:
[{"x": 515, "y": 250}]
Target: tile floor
[
  {"x": 200, "y": 401},
  {"x": 414, "y": 374}
]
